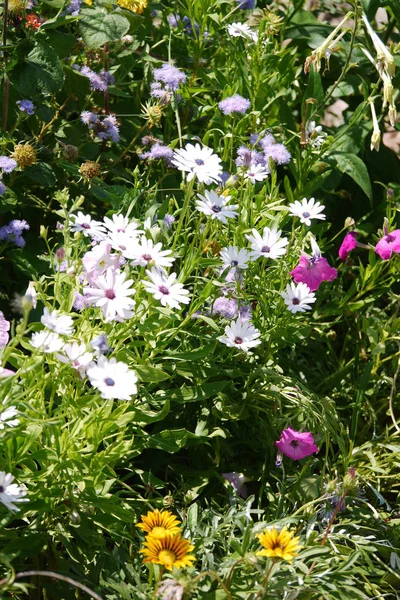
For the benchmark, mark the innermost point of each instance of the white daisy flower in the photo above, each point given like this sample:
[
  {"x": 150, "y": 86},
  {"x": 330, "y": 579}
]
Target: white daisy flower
[
  {"x": 10, "y": 492},
  {"x": 113, "y": 379},
  {"x": 256, "y": 173},
  {"x": 315, "y": 134},
  {"x": 121, "y": 241},
  {"x": 88, "y": 226},
  {"x": 216, "y": 206},
  {"x": 76, "y": 355},
  {"x": 6, "y": 417},
  {"x": 121, "y": 224},
  {"x": 59, "y": 323},
  {"x": 270, "y": 245},
  {"x": 307, "y": 210},
  {"x": 198, "y": 161},
  {"x": 234, "y": 257},
  {"x": 111, "y": 292},
  {"x": 144, "y": 252},
  {"x": 164, "y": 288},
  {"x": 242, "y": 30},
  {"x": 298, "y": 298},
  {"x": 47, "y": 341},
  {"x": 241, "y": 334}
]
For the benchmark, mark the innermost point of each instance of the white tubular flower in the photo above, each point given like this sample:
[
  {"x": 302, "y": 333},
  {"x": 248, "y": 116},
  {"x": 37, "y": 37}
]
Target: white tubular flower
[
  {"x": 31, "y": 295},
  {"x": 385, "y": 61},
  {"x": 327, "y": 47},
  {"x": 376, "y": 133},
  {"x": 10, "y": 492}
]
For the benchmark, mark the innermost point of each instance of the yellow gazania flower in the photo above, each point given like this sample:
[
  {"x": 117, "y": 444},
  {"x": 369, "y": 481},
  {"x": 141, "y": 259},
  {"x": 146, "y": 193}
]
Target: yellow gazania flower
[
  {"x": 136, "y": 6},
  {"x": 170, "y": 551},
  {"x": 158, "y": 524},
  {"x": 279, "y": 544}
]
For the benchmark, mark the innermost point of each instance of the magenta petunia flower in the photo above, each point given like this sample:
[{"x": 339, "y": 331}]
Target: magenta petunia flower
[
  {"x": 388, "y": 244},
  {"x": 348, "y": 244},
  {"x": 313, "y": 271},
  {"x": 296, "y": 445}
]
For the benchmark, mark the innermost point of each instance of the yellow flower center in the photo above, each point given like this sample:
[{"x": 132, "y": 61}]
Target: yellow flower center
[
  {"x": 167, "y": 557},
  {"x": 158, "y": 532}
]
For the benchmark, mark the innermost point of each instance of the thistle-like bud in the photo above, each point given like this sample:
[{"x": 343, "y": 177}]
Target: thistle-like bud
[
  {"x": 24, "y": 155},
  {"x": 70, "y": 153},
  {"x": 90, "y": 169},
  {"x": 152, "y": 114}
]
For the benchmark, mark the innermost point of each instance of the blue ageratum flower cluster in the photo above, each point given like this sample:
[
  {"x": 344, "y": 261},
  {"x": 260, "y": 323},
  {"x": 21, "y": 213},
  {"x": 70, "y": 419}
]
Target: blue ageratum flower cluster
[
  {"x": 270, "y": 150},
  {"x": 105, "y": 128},
  {"x": 13, "y": 232},
  {"x": 168, "y": 79},
  {"x": 26, "y": 106},
  {"x": 98, "y": 81},
  {"x": 157, "y": 151},
  {"x": 74, "y": 7},
  {"x": 234, "y": 104}
]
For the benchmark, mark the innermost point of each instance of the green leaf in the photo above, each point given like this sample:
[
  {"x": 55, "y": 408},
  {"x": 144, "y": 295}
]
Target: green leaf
[
  {"x": 98, "y": 28},
  {"x": 39, "y": 72},
  {"x": 353, "y": 166},
  {"x": 192, "y": 394},
  {"x": 41, "y": 173}
]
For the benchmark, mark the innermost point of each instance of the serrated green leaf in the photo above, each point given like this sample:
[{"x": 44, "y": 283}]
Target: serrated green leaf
[{"x": 98, "y": 28}]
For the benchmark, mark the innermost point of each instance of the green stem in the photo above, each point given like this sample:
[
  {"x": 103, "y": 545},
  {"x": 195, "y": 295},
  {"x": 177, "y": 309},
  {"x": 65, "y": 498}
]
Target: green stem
[
  {"x": 217, "y": 578},
  {"x": 184, "y": 211},
  {"x": 6, "y": 80}
]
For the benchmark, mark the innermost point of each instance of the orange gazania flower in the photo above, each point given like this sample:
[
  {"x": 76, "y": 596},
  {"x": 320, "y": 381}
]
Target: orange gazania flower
[
  {"x": 158, "y": 524},
  {"x": 170, "y": 551}
]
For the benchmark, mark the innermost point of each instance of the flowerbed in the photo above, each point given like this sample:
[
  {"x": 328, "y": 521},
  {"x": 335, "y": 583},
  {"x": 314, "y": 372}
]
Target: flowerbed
[{"x": 200, "y": 300}]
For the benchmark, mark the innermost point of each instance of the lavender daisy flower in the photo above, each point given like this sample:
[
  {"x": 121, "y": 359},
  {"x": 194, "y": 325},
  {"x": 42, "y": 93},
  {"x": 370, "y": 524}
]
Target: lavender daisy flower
[
  {"x": 26, "y": 106},
  {"x": 170, "y": 76},
  {"x": 7, "y": 165},
  {"x": 234, "y": 104}
]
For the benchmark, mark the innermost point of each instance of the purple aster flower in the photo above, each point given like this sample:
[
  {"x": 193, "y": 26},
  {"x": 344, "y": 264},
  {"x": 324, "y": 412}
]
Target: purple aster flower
[
  {"x": 279, "y": 154},
  {"x": 7, "y": 165},
  {"x": 173, "y": 20},
  {"x": 2, "y": 188},
  {"x": 169, "y": 220},
  {"x": 246, "y": 4},
  {"x": 266, "y": 141},
  {"x": 170, "y": 76},
  {"x": 89, "y": 118},
  {"x": 227, "y": 308},
  {"x": 74, "y": 7},
  {"x": 26, "y": 106},
  {"x": 100, "y": 344},
  {"x": 234, "y": 104},
  {"x": 158, "y": 152},
  {"x": 348, "y": 244},
  {"x": 13, "y": 232}
]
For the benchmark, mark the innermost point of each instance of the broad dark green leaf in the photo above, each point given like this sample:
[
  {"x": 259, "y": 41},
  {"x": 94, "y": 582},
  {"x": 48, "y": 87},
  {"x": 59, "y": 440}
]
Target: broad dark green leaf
[
  {"x": 98, "y": 28},
  {"x": 40, "y": 72},
  {"x": 353, "y": 166}
]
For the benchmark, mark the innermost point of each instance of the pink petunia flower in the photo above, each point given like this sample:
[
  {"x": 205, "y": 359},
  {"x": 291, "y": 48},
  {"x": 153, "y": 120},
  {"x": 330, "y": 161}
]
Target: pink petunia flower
[
  {"x": 348, "y": 244},
  {"x": 388, "y": 244},
  {"x": 313, "y": 271},
  {"x": 296, "y": 445}
]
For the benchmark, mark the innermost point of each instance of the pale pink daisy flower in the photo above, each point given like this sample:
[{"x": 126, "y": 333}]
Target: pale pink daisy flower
[
  {"x": 76, "y": 355},
  {"x": 88, "y": 226},
  {"x": 47, "y": 341},
  {"x": 256, "y": 173},
  {"x": 111, "y": 292},
  {"x": 62, "y": 324},
  {"x": 98, "y": 260}
]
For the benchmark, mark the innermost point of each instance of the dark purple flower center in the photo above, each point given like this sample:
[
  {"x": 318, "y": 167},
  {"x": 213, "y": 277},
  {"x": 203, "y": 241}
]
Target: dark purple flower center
[
  {"x": 306, "y": 215},
  {"x": 120, "y": 230},
  {"x": 216, "y": 209},
  {"x": 163, "y": 289},
  {"x": 2, "y": 489},
  {"x": 110, "y": 294},
  {"x": 85, "y": 226},
  {"x": 265, "y": 249},
  {"x": 199, "y": 162},
  {"x": 234, "y": 263},
  {"x": 238, "y": 340},
  {"x": 294, "y": 443},
  {"x": 109, "y": 381},
  {"x": 295, "y": 301},
  {"x": 147, "y": 257},
  {"x": 389, "y": 238}
]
